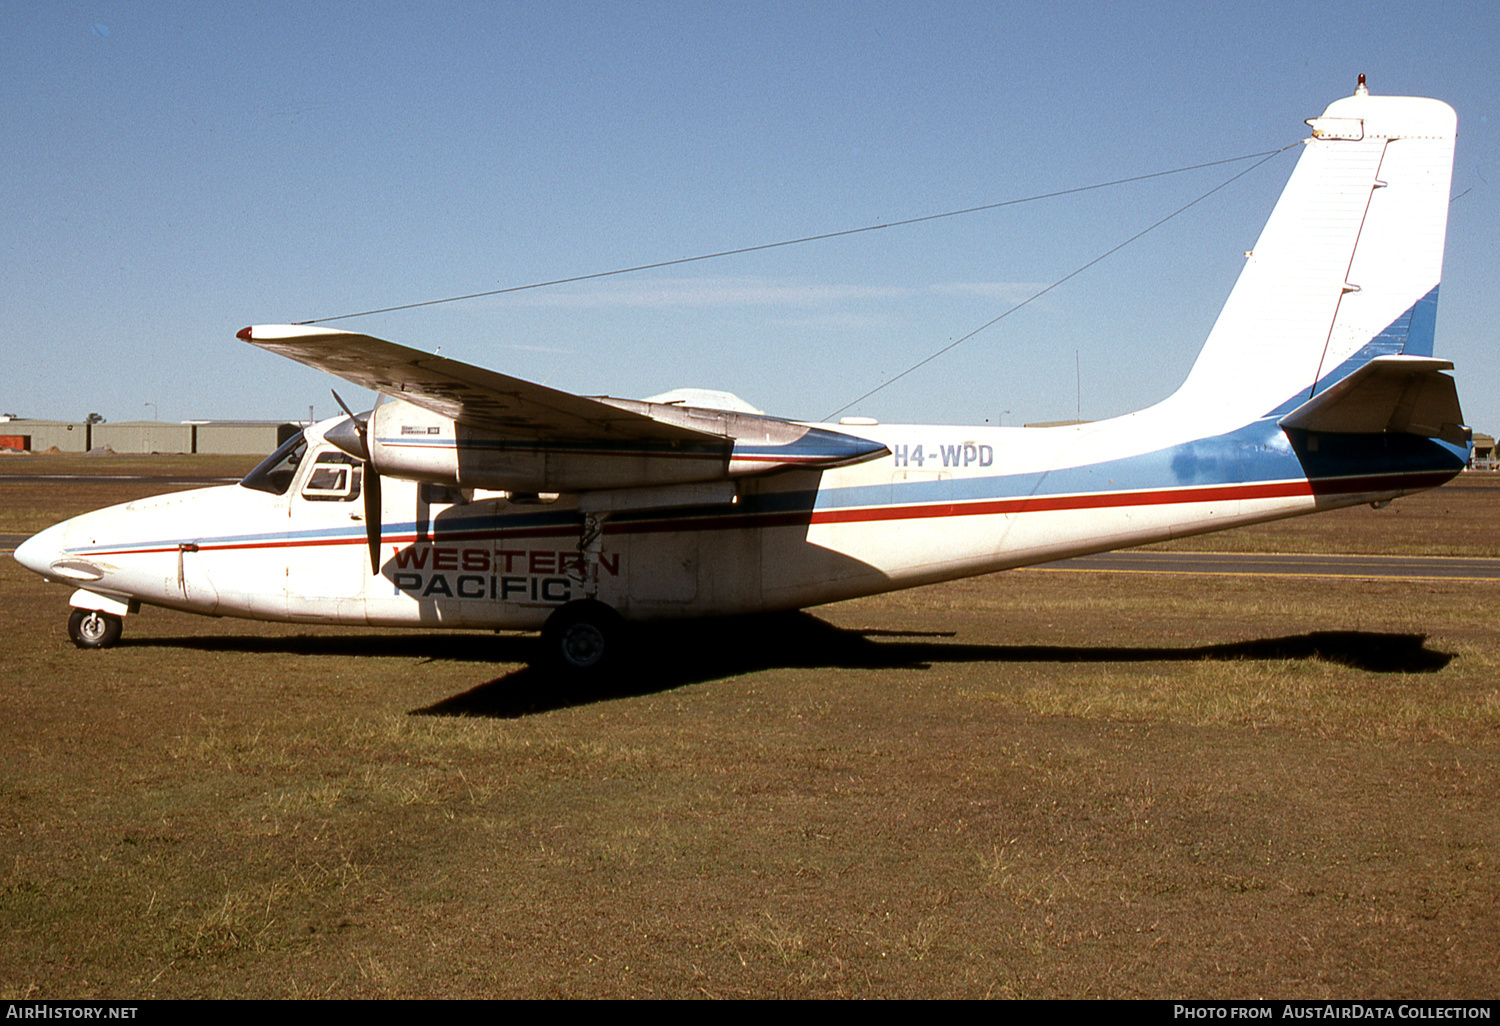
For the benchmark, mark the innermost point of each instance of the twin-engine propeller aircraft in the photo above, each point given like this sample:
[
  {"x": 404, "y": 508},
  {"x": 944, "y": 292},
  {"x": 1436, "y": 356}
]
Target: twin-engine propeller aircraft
[{"x": 467, "y": 498}]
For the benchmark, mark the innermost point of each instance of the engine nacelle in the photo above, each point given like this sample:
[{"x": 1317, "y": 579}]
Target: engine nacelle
[{"x": 409, "y": 442}]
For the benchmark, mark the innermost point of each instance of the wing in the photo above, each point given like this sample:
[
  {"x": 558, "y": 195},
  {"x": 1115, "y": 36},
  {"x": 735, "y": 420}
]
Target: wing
[
  {"x": 502, "y": 432},
  {"x": 469, "y": 395}
]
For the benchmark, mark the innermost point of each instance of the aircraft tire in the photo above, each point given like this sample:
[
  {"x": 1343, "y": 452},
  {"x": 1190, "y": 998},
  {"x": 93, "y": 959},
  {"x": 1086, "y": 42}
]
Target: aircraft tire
[
  {"x": 583, "y": 638},
  {"x": 89, "y": 628}
]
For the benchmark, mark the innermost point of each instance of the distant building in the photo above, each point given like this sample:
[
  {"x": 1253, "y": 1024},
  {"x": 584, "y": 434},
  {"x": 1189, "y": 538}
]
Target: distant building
[
  {"x": 224, "y": 437},
  {"x": 240, "y": 437},
  {"x": 40, "y": 435},
  {"x": 1484, "y": 453}
]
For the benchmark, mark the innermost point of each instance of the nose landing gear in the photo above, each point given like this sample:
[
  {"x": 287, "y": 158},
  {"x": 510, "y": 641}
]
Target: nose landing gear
[{"x": 91, "y": 628}]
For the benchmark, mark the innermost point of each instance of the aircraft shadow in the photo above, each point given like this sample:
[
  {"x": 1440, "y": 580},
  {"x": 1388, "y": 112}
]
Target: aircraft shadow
[
  {"x": 670, "y": 656},
  {"x": 674, "y": 655}
]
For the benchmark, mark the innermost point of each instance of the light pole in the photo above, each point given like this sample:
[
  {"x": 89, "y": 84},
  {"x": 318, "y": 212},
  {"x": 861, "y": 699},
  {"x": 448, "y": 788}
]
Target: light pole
[{"x": 154, "y": 414}]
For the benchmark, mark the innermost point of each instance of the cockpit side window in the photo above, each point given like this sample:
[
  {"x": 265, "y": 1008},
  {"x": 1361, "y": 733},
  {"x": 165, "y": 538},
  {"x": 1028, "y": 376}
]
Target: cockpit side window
[
  {"x": 335, "y": 477},
  {"x": 276, "y": 471}
]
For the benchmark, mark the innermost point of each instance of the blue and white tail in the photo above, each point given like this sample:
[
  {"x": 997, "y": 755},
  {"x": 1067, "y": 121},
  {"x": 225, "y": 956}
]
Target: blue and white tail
[{"x": 1330, "y": 326}]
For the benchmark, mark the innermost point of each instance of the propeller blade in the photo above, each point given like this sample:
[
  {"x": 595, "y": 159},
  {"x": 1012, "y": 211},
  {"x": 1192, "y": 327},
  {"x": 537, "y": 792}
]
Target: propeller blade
[
  {"x": 344, "y": 406},
  {"x": 374, "y": 514},
  {"x": 359, "y": 446}
]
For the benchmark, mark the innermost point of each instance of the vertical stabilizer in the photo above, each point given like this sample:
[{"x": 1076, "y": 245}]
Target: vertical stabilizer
[{"x": 1347, "y": 268}]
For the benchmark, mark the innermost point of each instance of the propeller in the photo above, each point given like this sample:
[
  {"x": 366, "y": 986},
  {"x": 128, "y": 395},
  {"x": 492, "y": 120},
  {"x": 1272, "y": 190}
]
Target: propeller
[{"x": 352, "y": 436}]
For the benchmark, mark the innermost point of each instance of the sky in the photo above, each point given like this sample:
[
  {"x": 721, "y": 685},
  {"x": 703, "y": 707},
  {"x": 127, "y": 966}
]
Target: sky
[{"x": 173, "y": 172}]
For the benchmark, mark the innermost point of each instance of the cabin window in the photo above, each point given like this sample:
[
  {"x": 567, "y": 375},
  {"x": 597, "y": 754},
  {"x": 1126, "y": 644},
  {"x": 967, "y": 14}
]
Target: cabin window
[
  {"x": 276, "y": 471},
  {"x": 335, "y": 477}
]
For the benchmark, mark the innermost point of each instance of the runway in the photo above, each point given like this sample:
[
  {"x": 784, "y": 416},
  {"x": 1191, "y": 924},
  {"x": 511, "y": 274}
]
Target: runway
[{"x": 180, "y": 479}]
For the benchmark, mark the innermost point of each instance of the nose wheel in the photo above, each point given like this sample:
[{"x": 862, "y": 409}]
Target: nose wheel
[{"x": 90, "y": 628}]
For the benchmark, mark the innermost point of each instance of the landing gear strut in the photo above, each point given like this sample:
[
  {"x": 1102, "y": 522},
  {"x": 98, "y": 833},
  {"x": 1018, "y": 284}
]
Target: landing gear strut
[
  {"x": 90, "y": 628},
  {"x": 586, "y": 637}
]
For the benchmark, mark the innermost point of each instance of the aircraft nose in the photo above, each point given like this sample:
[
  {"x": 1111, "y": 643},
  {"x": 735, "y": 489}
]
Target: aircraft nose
[{"x": 37, "y": 552}]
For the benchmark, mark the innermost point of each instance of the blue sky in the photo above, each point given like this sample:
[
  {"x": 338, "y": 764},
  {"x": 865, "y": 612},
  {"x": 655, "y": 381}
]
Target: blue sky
[{"x": 174, "y": 172}]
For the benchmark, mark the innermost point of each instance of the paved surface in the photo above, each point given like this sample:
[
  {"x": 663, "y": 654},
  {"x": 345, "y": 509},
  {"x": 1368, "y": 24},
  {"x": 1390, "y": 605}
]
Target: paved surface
[
  {"x": 1428, "y": 568},
  {"x": 87, "y": 478}
]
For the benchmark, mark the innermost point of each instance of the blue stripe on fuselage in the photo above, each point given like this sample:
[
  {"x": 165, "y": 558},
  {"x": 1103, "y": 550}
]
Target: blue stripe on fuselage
[{"x": 1258, "y": 452}]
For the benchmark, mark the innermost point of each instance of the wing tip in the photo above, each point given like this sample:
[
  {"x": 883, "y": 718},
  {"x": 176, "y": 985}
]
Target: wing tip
[{"x": 261, "y": 333}]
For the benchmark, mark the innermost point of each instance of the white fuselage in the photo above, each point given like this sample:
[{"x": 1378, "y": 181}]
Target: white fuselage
[{"x": 947, "y": 502}]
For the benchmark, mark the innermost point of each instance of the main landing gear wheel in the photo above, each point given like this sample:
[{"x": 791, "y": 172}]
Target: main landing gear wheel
[
  {"x": 583, "y": 638},
  {"x": 89, "y": 628}
]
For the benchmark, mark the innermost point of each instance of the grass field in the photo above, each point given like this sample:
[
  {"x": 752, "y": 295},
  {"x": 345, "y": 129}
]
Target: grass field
[{"x": 1031, "y": 785}]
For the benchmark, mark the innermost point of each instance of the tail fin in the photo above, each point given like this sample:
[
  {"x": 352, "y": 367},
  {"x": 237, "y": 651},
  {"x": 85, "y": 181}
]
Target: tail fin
[{"x": 1347, "y": 268}]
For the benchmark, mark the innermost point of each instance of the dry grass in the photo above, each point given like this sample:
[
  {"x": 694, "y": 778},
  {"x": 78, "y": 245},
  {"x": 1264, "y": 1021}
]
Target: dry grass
[{"x": 1032, "y": 785}]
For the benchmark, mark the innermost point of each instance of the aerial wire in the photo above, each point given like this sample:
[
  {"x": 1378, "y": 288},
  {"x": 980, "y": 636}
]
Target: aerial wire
[{"x": 1267, "y": 154}]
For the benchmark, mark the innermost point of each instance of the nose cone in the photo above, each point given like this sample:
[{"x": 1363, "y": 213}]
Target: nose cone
[{"x": 38, "y": 552}]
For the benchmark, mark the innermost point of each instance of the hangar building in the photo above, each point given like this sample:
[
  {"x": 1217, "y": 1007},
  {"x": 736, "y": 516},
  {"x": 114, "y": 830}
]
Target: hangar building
[{"x": 226, "y": 437}]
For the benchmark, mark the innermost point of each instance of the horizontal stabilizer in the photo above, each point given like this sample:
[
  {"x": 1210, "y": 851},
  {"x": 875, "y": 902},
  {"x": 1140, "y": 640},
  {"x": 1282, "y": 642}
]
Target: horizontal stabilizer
[{"x": 1398, "y": 394}]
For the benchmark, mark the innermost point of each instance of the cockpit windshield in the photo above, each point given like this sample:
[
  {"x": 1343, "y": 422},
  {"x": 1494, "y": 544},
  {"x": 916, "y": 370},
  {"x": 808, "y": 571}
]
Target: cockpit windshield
[{"x": 276, "y": 471}]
